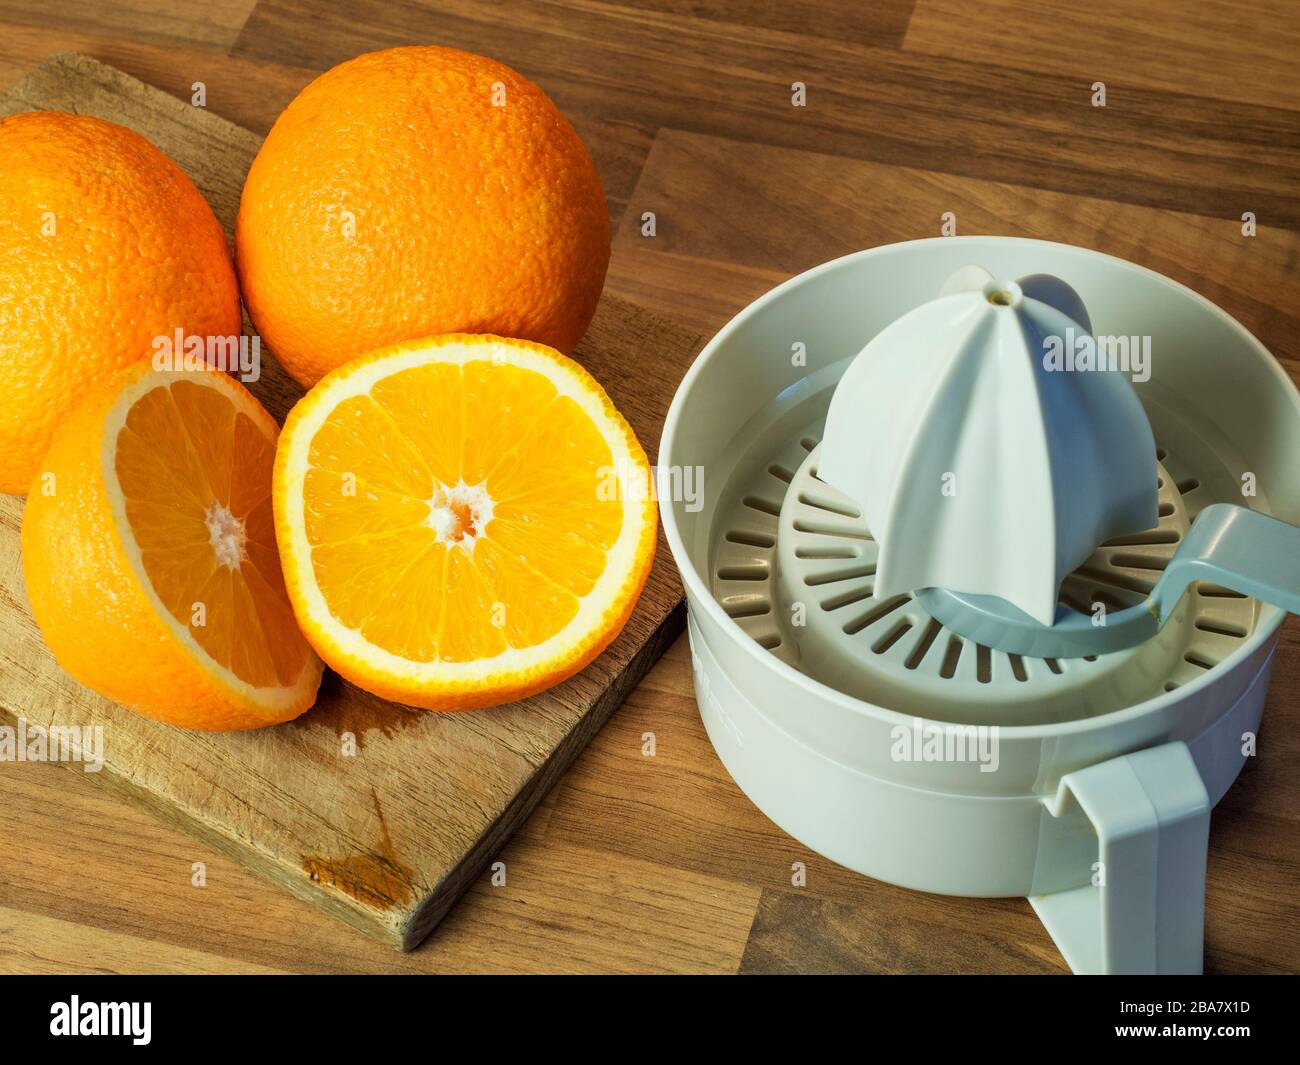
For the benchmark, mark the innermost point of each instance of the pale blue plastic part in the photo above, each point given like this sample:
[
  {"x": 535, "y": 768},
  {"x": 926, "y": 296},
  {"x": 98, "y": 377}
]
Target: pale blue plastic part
[{"x": 1227, "y": 545}]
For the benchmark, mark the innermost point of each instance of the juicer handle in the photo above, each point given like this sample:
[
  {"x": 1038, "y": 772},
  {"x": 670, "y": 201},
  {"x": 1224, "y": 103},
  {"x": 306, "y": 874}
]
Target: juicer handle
[
  {"x": 1145, "y": 911},
  {"x": 1237, "y": 548}
]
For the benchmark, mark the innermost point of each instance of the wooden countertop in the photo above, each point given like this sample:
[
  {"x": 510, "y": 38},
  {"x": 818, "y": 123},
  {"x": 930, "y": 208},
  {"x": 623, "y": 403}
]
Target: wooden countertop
[{"x": 913, "y": 109}]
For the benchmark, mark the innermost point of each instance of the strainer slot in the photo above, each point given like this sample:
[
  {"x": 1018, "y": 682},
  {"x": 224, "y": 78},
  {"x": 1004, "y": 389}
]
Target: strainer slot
[
  {"x": 923, "y": 644},
  {"x": 1114, "y": 602},
  {"x": 746, "y": 606},
  {"x": 827, "y": 528},
  {"x": 892, "y": 637},
  {"x": 873, "y": 615},
  {"x": 763, "y": 506},
  {"x": 757, "y": 571},
  {"x": 831, "y": 506},
  {"x": 1131, "y": 561},
  {"x": 746, "y": 538},
  {"x": 834, "y": 576},
  {"x": 1222, "y": 628},
  {"x": 854, "y": 595},
  {"x": 829, "y": 551},
  {"x": 1070, "y": 601},
  {"x": 1217, "y": 591},
  {"x": 1148, "y": 538},
  {"x": 1112, "y": 579},
  {"x": 952, "y": 657}
]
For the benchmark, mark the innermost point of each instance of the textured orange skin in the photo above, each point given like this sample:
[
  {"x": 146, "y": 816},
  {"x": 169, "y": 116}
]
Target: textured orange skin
[
  {"x": 91, "y": 609},
  {"x": 468, "y": 217},
  {"x": 136, "y": 253}
]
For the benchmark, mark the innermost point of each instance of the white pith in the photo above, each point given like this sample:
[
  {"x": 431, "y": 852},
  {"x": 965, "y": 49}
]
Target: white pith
[
  {"x": 271, "y": 697},
  {"x": 621, "y": 559},
  {"x": 444, "y": 520},
  {"x": 226, "y": 535}
]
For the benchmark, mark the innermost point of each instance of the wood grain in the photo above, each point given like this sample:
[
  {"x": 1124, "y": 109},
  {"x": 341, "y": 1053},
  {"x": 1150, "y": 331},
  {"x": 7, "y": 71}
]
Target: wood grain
[
  {"x": 36, "y": 944},
  {"x": 768, "y": 213},
  {"x": 1127, "y": 44},
  {"x": 388, "y": 839},
  {"x": 215, "y": 23},
  {"x": 960, "y": 115},
  {"x": 981, "y": 109},
  {"x": 798, "y": 933}
]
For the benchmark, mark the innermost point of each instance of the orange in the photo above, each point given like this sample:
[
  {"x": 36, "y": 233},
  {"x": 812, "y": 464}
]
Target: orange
[
  {"x": 418, "y": 191},
  {"x": 462, "y": 521},
  {"x": 104, "y": 245},
  {"x": 149, "y": 554}
]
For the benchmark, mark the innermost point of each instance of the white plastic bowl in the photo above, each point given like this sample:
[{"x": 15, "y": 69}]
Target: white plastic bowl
[{"x": 1102, "y": 821}]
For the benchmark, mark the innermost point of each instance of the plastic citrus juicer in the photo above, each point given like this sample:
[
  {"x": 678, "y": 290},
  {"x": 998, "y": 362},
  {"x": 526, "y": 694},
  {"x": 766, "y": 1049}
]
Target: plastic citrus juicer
[
  {"x": 972, "y": 616},
  {"x": 1051, "y": 461}
]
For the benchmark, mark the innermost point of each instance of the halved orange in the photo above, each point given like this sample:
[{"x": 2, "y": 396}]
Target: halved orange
[
  {"x": 150, "y": 558},
  {"x": 463, "y": 520}
]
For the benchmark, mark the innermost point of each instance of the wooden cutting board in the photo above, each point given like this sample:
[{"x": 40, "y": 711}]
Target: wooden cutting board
[{"x": 385, "y": 838}]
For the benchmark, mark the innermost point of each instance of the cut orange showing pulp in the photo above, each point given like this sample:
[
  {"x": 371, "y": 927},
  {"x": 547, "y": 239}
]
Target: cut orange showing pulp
[
  {"x": 150, "y": 559},
  {"x": 463, "y": 520}
]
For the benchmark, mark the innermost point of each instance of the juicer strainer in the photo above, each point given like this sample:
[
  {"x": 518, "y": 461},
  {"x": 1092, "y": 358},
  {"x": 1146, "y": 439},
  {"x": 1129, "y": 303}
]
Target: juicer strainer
[{"x": 894, "y": 743}]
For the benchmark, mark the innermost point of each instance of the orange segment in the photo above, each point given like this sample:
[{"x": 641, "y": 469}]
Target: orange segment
[
  {"x": 534, "y": 606},
  {"x": 178, "y": 607},
  {"x": 503, "y": 408},
  {"x": 462, "y": 520},
  {"x": 426, "y": 404}
]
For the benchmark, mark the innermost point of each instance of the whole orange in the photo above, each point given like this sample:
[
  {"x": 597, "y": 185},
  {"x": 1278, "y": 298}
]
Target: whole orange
[
  {"x": 105, "y": 244},
  {"x": 413, "y": 192}
]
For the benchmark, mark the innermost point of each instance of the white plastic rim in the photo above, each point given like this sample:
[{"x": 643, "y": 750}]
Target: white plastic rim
[{"x": 701, "y": 597}]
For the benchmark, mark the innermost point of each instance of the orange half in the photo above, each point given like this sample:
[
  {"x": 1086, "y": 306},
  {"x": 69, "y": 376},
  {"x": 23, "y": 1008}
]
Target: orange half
[
  {"x": 463, "y": 521},
  {"x": 150, "y": 557}
]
